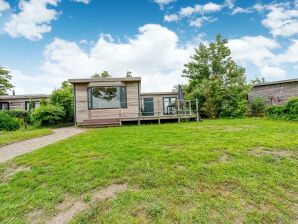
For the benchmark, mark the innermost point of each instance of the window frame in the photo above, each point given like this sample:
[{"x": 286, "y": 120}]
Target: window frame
[
  {"x": 1, "y": 105},
  {"x": 27, "y": 102},
  {"x": 90, "y": 101}
]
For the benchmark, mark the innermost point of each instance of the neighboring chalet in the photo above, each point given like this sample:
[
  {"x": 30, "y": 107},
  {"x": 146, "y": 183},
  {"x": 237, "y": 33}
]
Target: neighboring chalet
[
  {"x": 21, "y": 102},
  {"x": 275, "y": 93},
  {"x": 113, "y": 101}
]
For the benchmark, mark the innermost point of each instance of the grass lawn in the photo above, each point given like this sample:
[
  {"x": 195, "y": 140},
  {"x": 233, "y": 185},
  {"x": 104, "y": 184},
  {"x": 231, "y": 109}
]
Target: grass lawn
[
  {"x": 20, "y": 135},
  {"x": 216, "y": 171}
]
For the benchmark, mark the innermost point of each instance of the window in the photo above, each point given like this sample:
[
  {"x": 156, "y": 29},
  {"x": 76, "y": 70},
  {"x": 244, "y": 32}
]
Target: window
[
  {"x": 107, "y": 97},
  {"x": 147, "y": 106},
  {"x": 35, "y": 104},
  {"x": 169, "y": 105},
  {"x": 4, "y": 106}
]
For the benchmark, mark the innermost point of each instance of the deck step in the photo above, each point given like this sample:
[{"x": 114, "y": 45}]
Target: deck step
[{"x": 110, "y": 122}]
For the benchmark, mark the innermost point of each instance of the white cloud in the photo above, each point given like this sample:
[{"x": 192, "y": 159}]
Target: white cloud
[
  {"x": 289, "y": 56},
  {"x": 271, "y": 72},
  {"x": 282, "y": 19},
  {"x": 239, "y": 10},
  {"x": 82, "y": 1},
  {"x": 198, "y": 22},
  {"x": 230, "y": 3},
  {"x": 3, "y": 6},
  {"x": 171, "y": 18},
  {"x": 162, "y": 3},
  {"x": 200, "y": 9},
  {"x": 33, "y": 20},
  {"x": 153, "y": 54}
]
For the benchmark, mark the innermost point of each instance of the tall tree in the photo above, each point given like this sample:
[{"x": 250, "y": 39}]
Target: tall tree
[
  {"x": 104, "y": 74},
  {"x": 5, "y": 79},
  {"x": 216, "y": 80}
]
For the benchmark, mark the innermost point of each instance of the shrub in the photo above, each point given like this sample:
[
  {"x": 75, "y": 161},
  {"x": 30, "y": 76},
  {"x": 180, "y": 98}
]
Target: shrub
[
  {"x": 258, "y": 106},
  {"x": 286, "y": 112},
  {"x": 48, "y": 115},
  {"x": 8, "y": 123},
  {"x": 19, "y": 114}
]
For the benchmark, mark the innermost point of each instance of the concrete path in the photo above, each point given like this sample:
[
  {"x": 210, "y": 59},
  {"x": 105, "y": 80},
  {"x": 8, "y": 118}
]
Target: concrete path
[{"x": 10, "y": 151}]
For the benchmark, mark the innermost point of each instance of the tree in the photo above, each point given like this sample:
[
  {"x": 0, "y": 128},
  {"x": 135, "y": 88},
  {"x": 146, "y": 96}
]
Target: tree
[
  {"x": 5, "y": 79},
  {"x": 104, "y": 74},
  {"x": 64, "y": 98},
  {"x": 216, "y": 81}
]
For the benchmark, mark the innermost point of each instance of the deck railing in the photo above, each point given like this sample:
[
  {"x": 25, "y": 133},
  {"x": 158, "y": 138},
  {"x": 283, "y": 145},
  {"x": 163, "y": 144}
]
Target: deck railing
[{"x": 158, "y": 110}]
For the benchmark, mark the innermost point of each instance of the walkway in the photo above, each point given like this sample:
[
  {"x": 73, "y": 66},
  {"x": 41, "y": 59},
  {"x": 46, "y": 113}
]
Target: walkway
[{"x": 10, "y": 151}]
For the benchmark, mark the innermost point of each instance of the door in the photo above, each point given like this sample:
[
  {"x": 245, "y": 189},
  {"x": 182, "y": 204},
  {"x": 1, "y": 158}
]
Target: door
[{"x": 147, "y": 106}]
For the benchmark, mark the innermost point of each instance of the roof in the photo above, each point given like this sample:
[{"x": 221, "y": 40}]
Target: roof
[
  {"x": 31, "y": 96},
  {"x": 276, "y": 82},
  {"x": 159, "y": 93},
  {"x": 125, "y": 79}
]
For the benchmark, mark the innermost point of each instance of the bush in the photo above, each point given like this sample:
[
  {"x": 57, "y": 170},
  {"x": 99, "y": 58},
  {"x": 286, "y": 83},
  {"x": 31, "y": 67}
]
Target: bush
[
  {"x": 48, "y": 115},
  {"x": 258, "y": 106},
  {"x": 8, "y": 123},
  {"x": 285, "y": 112},
  {"x": 19, "y": 114}
]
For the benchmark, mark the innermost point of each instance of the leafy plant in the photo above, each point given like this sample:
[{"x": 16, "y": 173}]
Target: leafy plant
[
  {"x": 5, "y": 79},
  {"x": 216, "y": 81},
  {"x": 8, "y": 123},
  {"x": 288, "y": 111},
  {"x": 64, "y": 98},
  {"x": 258, "y": 106},
  {"x": 48, "y": 115}
]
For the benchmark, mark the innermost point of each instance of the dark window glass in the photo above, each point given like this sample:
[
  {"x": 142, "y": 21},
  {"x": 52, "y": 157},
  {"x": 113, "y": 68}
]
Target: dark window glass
[
  {"x": 4, "y": 106},
  {"x": 147, "y": 106},
  {"x": 107, "y": 97},
  {"x": 35, "y": 104}
]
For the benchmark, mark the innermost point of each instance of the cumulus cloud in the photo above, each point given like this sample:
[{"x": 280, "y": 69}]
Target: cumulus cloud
[
  {"x": 282, "y": 19},
  {"x": 200, "y": 9},
  {"x": 33, "y": 20},
  {"x": 171, "y": 18},
  {"x": 153, "y": 54},
  {"x": 239, "y": 10},
  {"x": 3, "y": 6},
  {"x": 258, "y": 51}
]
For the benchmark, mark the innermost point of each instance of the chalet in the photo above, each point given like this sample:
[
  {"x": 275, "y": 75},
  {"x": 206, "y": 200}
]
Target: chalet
[
  {"x": 21, "y": 102},
  {"x": 275, "y": 93},
  {"x": 113, "y": 101}
]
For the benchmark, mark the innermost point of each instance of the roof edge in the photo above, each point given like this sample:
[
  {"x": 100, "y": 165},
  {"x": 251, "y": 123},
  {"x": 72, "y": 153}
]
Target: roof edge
[
  {"x": 276, "y": 82},
  {"x": 88, "y": 80}
]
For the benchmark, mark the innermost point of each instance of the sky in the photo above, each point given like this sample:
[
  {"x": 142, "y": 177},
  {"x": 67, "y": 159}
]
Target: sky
[{"x": 44, "y": 42}]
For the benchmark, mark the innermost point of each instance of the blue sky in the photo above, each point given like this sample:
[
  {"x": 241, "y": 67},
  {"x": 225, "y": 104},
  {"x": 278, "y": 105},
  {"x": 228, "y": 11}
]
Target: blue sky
[{"x": 44, "y": 42}]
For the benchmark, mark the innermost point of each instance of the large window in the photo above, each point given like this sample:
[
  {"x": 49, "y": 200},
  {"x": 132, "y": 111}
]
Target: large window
[
  {"x": 107, "y": 97},
  {"x": 4, "y": 106},
  {"x": 169, "y": 105},
  {"x": 34, "y": 104}
]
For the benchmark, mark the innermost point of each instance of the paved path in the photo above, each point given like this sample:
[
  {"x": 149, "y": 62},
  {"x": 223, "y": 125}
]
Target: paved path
[{"x": 10, "y": 151}]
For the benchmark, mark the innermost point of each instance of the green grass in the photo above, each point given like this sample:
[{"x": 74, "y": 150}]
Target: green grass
[
  {"x": 21, "y": 135},
  {"x": 175, "y": 174}
]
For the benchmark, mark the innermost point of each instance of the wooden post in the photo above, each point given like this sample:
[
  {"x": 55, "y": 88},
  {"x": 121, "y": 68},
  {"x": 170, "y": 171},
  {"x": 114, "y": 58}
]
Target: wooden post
[
  {"x": 158, "y": 112},
  {"x": 197, "y": 110},
  {"x": 178, "y": 111},
  {"x": 120, "y": 118},
  {"x": 190, "y": 112}
]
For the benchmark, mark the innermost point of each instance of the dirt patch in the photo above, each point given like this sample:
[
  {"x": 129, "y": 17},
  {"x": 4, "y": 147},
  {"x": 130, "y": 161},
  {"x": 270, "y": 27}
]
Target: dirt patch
[
  {"x": 36, "y": 217},
  {"x": 225, "y": 157},
  {"x": 69, "y": 208},
  {"x": 10, "y": 172},
  {"x": 262, "y": 151}
]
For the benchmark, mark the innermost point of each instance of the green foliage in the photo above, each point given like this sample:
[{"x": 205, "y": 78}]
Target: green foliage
[
  {"x": 19, "y": 114},
  {"x": 48, "y": 115},
  {"x": 5, "y": 79},
  {"x": 288, "y": 111},
  {"x": 104, "y": 74},
  {"x": 7, "y": 122},
  {"x": 216, "y": 81},
  {"x": 258, "y": 106},
  {"x": 64, "y": 98}
]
